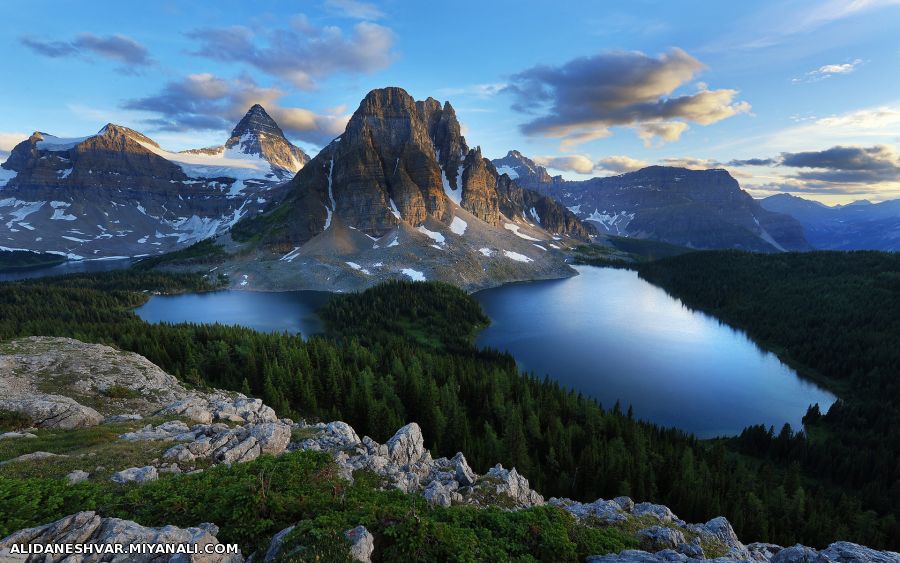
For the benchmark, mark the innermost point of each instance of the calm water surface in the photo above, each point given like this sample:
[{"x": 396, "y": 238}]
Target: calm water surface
[
  {"x": 284, "y": 311},
  {"x": 613, "y": 336},
  {"x": 606, "y": 333}
]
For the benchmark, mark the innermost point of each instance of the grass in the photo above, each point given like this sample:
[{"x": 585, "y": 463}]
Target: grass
[
  {"x": 83, "y": 448},
  {"x": 120, "y": 392},
  {"x": 252, "y": 501},
  {"x": 11, "y": 421}
]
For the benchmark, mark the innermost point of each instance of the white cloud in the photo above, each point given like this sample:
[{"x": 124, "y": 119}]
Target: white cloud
[
  {"x": 300, "y": 53},
  {"x": 570, "y": 163},
  {"x": 620, "y": 164},
  {"x": 827, "y": 71},
  {"x": 582, "y": 99},
  {"x": 8, "y": 140}
]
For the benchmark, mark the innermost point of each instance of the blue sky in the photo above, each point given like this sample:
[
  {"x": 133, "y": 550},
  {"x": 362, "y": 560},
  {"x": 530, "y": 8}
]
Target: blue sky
[{"x": 795, "y": 96}]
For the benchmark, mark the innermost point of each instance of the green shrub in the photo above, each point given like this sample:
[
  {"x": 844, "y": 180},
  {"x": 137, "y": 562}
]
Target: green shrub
[{"x": 12, "y": 420}]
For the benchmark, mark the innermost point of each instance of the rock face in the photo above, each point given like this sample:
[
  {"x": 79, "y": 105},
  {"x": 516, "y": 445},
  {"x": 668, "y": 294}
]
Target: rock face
[
  {"x": 401, "y": 194},
  {"x": 398, "y": 161},
  {"x": 90, "y": 528},
  {"x": 694, "y": 208},
  {"x": 117, "y": 193}
]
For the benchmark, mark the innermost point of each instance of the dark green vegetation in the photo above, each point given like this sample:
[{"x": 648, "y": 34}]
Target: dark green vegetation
[
  {"x": 622, "y": 251},
  {"x": 836, "y": 318},
  {"x": 17, "y": 260},
  {"x": 403, "y": 352},
  {"x": 204, "y": 252},
  {"x": 252, "y": 501}
]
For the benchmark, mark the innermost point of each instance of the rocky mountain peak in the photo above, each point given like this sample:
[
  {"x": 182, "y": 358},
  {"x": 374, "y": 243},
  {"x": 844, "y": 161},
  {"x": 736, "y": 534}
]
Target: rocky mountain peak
[
  {"x": 258, "y": 134},
  {"x": 524, "y": 171},
  {"x": 257, "y": 121},
  {"x": 399, "y": 161},
  {"x": 120, "y": 133}
]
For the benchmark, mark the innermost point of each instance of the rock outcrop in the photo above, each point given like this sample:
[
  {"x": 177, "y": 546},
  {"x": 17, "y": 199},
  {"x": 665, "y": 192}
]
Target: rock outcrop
[
  {"x": 93, "y": 530},
  {"x": 235, "y": 429}
]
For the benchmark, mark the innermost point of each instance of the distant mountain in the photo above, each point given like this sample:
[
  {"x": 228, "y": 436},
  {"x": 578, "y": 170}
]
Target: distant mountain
[
  {"x": 701, "y": 209},
  {"x": 401, "y": 193},
  {"x": 257, "y": 135},
  {"x": 861, "y": 225},
  {"x": 525, "y": 171},
  {"x": 117, "y": 193}
]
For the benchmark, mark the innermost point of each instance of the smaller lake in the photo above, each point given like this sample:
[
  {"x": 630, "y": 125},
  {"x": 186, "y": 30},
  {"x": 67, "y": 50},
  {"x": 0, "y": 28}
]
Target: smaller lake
[{"x": 283, "y": 311}]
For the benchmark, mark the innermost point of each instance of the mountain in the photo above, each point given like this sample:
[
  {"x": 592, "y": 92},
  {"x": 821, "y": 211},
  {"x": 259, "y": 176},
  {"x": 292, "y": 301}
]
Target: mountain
[
  {"x": 257, "y": 135},
  {"x": 118, "y": 194},
  {"x": 861, "y": 225},
  {"x": 525, "y": 171},
  {"x": 401, "y": 192},
  {"x": 694, "y": 208}
]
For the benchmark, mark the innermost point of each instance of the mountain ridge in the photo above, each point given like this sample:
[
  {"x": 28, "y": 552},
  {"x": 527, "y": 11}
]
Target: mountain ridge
[
  {"x": 117, "y": 193},
  {"x": 701, "y": 209}
]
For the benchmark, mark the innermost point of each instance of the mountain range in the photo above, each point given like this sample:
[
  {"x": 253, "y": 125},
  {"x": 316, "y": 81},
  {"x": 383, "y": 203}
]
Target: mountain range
[
  {"x": 861, "y": 225},
  {"x": 399, "y": 194},
  {"x": 119, "y": 194},
  {"x": 702, "y": 209}
]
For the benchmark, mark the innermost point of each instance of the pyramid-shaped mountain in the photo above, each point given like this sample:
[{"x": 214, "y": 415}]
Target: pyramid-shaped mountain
[{"x": 403, "y": 161}]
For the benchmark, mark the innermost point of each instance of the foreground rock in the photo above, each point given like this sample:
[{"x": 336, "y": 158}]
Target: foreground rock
[
  {"x": 407, "y": 465},
  {"x": 225, "y": 428},
  {"x": 91, "y": 529}
]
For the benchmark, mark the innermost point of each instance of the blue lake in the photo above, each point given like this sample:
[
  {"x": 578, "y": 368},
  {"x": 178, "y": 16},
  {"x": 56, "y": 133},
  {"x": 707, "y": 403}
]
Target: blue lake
[{"x": 605, "y": 332}]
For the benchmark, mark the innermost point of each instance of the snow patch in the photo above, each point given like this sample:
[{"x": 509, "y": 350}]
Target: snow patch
[
  {"x": 60, "y": 215},
  {"x": 535, "y": 216},
  {"x": 414, "y": 275},
  {"x": 509, "y": 171},
  {"x": 515, "y": 229},
  {"x": 458, "y": 226},
  {"x": 436, "y": 237},
  {"x": 289, "y": 257},
  {"x": 6, "y": 176},
  {"x": 394, "y": 210},
  {"x": 486, "y": 251},
  {"x": 516, "y": 256}
]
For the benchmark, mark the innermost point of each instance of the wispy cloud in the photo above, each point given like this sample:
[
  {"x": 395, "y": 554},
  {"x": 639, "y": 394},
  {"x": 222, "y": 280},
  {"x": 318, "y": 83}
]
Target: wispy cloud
[
  {"x": 120, "y": 48},
  {"x": 582, "y": 99},
  {"x": 354, "y": 9},
  {"x": 301, "y": 53},
  {"x": 827, "y": 71},
  {"x": 208, "y": 102}
]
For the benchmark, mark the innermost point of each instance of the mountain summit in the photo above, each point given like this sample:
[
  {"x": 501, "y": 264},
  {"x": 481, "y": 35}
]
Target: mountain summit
[
  {"x": 118, "y": 193},
  {"x": 258, "y": 134},
  {"x": 400, "y": 193},
  {"x": 403, "y": 161}
]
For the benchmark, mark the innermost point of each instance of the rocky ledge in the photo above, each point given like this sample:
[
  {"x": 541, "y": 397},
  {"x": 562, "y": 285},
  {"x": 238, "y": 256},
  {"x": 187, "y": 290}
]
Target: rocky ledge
[{"x": 199, "y": 429}]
